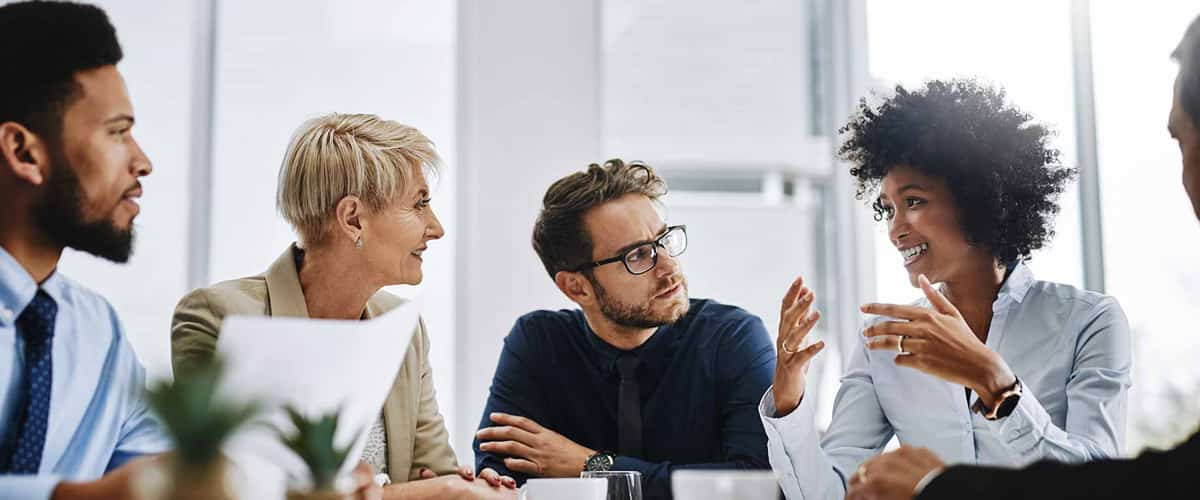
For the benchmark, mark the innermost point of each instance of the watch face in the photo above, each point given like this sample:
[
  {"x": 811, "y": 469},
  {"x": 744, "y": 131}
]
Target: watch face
[
  {"x": 1006, "y": 407},
  {"x": 600, "y": 462}
]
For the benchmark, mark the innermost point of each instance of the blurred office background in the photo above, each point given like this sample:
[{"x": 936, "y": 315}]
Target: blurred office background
[{"x": 736, "y": 103}]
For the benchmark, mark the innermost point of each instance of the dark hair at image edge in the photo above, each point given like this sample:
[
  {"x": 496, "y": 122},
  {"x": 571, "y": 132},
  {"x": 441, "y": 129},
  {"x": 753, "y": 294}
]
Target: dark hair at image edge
[
  {"x": 46, "y": 43},
  {"x": 997, "y": 163},
  {"x": 1188, "y": 55}
]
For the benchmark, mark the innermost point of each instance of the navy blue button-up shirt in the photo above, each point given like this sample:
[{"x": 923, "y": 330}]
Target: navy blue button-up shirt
[{"x": 700, "y": 381}]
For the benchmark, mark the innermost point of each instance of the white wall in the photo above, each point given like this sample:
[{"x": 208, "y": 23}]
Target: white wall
[
  {"x": 280, "y": 62},
  {"x": 512, "y": 94},
  {"x": 706, "y": 82},
  {"x": 157, "y": 39},
  {"x": 395, "y": 59},
  {"x": 527, "y": 115}
]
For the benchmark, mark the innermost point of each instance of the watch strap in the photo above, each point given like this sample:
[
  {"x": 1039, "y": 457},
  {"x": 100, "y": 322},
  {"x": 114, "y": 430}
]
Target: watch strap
[{"x": 1005, "y": 403}]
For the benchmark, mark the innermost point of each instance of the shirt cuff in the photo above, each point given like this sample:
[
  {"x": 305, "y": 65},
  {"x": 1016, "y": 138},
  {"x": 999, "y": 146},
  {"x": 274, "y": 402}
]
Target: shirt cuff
[
  {"x": 929, "y": 477},
  {"x": 799, "y": 418},
  {"x": 38, "y": 487},
  {"x": 794, "y": 449},
  {"x": 1023, "y": 428}
]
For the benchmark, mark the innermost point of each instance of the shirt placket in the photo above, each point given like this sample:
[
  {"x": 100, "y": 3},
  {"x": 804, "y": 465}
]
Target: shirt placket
[{"x": 1000, "y": 312}]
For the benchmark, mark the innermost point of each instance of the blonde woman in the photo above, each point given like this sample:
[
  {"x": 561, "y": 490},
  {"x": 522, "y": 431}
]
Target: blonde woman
[{"x": 353, "y": 187}]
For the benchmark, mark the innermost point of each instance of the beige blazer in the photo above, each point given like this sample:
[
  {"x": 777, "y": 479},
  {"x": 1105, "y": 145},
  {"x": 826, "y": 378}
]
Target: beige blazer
[{"x": 416, "y": 434}]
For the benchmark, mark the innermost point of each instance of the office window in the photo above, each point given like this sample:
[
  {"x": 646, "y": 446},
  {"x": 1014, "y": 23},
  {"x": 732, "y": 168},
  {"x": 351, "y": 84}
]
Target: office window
[
  {"x": 1024, "y": 47},
  {"x": 722, "y": 101},
  {"x": 1150, "y": 234}
]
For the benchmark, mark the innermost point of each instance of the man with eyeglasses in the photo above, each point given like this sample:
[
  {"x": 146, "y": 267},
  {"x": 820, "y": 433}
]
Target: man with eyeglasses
[{"x": 639, "y": 378}]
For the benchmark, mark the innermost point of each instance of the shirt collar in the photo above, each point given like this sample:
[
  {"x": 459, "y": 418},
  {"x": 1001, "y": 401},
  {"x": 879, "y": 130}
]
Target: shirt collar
[
  {"x": 607, "y": 354},
  {"x": 1018, "y": 283},
  {"x": 17, "y": 288}
]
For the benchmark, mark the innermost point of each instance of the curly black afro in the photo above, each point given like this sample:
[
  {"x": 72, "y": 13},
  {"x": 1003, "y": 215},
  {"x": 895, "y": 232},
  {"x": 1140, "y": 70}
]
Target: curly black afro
[{"x": 997, "y": 163}]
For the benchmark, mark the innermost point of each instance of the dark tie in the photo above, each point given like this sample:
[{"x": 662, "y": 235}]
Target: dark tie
[
  {"x": 23, "y": 453},
  {"x": 629, "y": 408}
]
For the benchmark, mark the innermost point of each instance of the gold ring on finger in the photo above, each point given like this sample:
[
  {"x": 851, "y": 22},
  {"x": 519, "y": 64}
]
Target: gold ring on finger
[
  {"x": 900, "y": 345},
  {"x": 785, "y": 348}
]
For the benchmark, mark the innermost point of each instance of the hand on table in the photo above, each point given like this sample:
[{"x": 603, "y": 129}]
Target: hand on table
[
  {"x": 121, "y": 482},
  {"x": 455, "y": 487},
  {"x": 894, "y": 475},
  {"x": 532, "y": 449},
  {"x": 487, "y": 474},
  {"x": 365, "y": 487}
]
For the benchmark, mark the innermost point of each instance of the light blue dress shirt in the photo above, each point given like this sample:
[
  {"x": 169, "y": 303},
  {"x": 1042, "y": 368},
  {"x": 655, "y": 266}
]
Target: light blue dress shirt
[
  {"x": 1069, "y": 348},
  {"x": 97, "y": 418}
]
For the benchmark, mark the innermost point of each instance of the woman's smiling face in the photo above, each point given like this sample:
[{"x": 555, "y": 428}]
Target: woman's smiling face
[{"x": 923, "y": 224}]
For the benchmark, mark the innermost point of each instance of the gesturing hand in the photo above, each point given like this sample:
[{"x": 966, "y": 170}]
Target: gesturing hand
[
  {"x": 791, "y": 365},
  {"x": 938, "y": 342},
  {"x": 531, "y": 448}
]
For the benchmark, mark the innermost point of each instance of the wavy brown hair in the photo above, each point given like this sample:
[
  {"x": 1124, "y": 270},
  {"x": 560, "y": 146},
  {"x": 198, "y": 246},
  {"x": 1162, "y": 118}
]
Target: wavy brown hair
[{"x": 559, "y": 236}]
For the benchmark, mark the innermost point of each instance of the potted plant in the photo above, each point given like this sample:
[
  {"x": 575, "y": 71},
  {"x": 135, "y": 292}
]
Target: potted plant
[
  {"x": 312, "y": 441},
  {"x": 198, "y": 423}
]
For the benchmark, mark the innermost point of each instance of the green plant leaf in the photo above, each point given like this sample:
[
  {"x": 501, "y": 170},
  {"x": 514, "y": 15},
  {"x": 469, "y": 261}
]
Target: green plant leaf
[
  {"x": 196, "y": 420},
  {"x": 312, "y": 441}
]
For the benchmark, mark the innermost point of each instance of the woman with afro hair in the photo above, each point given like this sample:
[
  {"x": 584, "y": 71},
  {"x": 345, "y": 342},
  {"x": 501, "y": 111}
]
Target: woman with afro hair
[{"x": 992, "y": 366}]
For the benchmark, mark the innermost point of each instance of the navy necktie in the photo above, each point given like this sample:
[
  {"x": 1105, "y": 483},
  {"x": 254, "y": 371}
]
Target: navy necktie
[
  {"x": 629, "y": 408},
  {"x": 23, "y": 451}
]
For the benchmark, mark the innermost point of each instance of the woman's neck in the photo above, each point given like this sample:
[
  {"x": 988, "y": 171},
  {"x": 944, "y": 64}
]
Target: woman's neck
[
  {"x": 973, "y": 293},
  {"x": 334, "y": 286}
]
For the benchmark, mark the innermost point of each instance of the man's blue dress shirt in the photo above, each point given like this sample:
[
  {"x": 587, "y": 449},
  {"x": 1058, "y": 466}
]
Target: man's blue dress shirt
[{"x": 97, "y": 419}]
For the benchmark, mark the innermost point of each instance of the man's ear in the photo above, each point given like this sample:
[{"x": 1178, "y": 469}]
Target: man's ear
[
  {"x": 23, "y": 153},
  {"x": 348, "y": 215},
  {"x": 576, "y": 287}
]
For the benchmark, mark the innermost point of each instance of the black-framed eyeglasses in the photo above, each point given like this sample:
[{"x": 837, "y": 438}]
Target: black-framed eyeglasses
[{"x": 640, "y": 258}]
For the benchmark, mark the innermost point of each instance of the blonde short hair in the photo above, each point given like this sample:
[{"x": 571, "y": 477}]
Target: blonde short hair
[{"x": 338, "y": 155}]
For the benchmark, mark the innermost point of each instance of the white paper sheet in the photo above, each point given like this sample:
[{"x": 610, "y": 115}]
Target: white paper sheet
[{"x": 317, "y": 366}]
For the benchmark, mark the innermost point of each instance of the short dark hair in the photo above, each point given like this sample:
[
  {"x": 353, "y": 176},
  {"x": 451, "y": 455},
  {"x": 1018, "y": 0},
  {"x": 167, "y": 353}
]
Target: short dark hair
[
  {"x": 559, "y": 236},
  {"x": 43, "y": 45},
  {"x": 1188, "y": 55},
  {"x": 997, "y": 163}
]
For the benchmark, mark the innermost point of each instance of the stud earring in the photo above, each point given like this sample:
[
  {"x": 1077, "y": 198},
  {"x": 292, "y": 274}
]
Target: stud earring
[{"x": 358, "y": 243}]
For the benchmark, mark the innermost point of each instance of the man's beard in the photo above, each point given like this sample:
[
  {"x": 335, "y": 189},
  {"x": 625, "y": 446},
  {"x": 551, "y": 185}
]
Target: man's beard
[
  {"x": 59, "y": 214},
  {"x": 634, "y": 315}
]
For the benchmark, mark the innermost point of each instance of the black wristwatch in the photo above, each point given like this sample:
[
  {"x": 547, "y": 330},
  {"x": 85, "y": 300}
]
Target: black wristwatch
[
  {"x": 1005, "y": 404},
  {"x": 600, "y": 462}
]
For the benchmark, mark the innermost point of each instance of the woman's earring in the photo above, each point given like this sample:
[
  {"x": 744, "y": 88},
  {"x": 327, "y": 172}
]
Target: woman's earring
[{"x": 358, "y": 243}]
